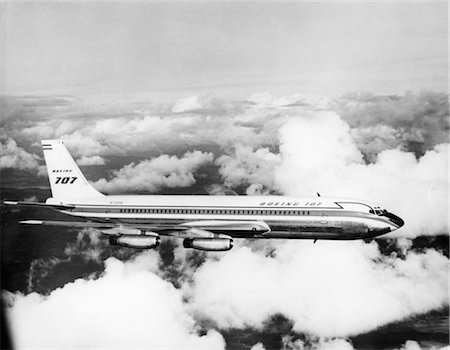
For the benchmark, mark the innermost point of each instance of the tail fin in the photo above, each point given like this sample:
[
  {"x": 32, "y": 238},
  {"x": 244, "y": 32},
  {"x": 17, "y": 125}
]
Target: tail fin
[{"x": 66, "y": 179}]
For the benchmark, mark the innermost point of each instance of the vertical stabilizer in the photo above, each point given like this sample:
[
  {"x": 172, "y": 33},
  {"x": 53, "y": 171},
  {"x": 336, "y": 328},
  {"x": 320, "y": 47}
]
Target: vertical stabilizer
[{"x": 66, "y": 179}]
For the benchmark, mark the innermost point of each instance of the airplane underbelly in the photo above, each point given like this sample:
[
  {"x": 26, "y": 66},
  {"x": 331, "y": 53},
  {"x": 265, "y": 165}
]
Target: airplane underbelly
[{"x": 318, "y": 229}]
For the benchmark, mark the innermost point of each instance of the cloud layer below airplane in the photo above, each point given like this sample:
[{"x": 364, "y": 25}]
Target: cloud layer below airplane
[{"x": 327, "y": 292}]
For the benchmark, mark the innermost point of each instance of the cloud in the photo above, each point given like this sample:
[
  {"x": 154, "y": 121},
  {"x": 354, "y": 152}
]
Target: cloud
[
  {"x": 298, "y": 99},
  {"x": 13, "y": 156},
  {"x": 319, "y": 155},
  {"x": 150, "y": 175},
  {"x": 94, "y": 160},
  {"x": 127, "y": 307},
  {"x": 324, "y": 289},
  {"x": 413, "y": 345},
  {"x": 332, "y": 344},
  {"x": 412, "y": 122},
  {"x": 316, "y": 344},
  {"x": 89, "y": 246},
  {"x": 258, "y": 346},
  {"x": 246, "y": 166},
  {"x": 420, "y": 119},
  {"x": 186, "y": 104},
  {"x": 372, "y": 140}
]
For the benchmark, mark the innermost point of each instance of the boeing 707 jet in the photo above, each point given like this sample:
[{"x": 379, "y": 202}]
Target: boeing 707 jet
[{"x": 203, "y": 222}]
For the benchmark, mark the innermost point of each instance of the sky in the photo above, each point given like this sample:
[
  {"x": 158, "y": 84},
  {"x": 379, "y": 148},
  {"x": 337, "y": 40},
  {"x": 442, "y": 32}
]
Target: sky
[{"x": 167, "y": 49}]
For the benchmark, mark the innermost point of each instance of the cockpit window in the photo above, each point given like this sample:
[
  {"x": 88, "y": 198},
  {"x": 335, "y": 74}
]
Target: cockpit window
[
  {"x": 356, "y": 206},
  {"x": 378, "y": 211}
]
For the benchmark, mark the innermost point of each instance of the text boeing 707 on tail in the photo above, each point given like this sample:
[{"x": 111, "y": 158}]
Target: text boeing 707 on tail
[{"x": 203, "y": 222}]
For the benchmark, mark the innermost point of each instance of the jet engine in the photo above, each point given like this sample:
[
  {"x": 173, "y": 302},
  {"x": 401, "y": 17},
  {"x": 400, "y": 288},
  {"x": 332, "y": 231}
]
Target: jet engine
[
  {"x": 209, "y": 244},
  {"x": 141, "y": 241}
]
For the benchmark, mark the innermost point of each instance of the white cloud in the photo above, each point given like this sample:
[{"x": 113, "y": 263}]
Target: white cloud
[
  {"x": 186, "y": 104},
  {"x": 333, "y": 344},
  {"x": 94, "y": 160},
  {"x": 83, "y": 144},
  {"x": 127, "y": 307},
  {"x": 261, "y": 98},
  {"x": 420, "y": 118},
  {"x": 264, "y": 99},
  {"x": 89, "y": 245},
  {"x": 258, "y": 346},
  {"x": 316, "y": 344},
  {"x": 374, "y": 139},
  {"x": 150, "y": 175},
  {"x": 414, "y": 345},
  {"x": 13, "y": 156},
  {"x": 319, "y": 155},
  {"x": 246, "y": 166},
  {"x": 328, "y": 289}
]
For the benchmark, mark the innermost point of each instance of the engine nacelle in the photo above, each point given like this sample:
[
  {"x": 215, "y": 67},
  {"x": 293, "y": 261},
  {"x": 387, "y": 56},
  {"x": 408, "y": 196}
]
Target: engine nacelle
[
  {"x": 209, "y": 244},
  {"x": 141, "y": 242}
]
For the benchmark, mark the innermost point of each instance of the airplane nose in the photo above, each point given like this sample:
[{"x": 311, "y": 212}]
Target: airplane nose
[{"x": 397, "y": 221}]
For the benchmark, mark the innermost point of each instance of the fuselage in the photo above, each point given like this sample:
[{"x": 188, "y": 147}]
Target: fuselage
[{"x": 243, "y": 216}]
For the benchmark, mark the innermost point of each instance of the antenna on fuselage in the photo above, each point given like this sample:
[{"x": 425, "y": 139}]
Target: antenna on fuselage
[{"x": 318, "y": 194}]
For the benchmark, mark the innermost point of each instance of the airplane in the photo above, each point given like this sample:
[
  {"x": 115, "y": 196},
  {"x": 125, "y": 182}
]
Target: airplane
[{"x": 204, "y": 222}]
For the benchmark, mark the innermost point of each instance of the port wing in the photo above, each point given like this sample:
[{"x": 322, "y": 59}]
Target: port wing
[{"x": 192, "y": 229}]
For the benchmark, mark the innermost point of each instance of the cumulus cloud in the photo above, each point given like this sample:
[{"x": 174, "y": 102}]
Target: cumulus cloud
[
  {"x": 246, "y": 166},
  {"x": 288, "y": 343},
  {"x": 258, "y": 346},
  {"x": 89, "y": 246},
  {"x": 150, "y": 175},
  {"x": 412, "y": 122},
  {"x": 186, "y": 104},
  {"x": 91, "y": 313},
  {"x": 323, "y": 289},
  {"x": 13, "y": 156},
  {"x": 94, "y": 160},
  {"x": 316, "y": 344},
  {"x": 421, "y": 119},
  {"x": 374, "y": 139},
  {"x": 320, "y": 155}
]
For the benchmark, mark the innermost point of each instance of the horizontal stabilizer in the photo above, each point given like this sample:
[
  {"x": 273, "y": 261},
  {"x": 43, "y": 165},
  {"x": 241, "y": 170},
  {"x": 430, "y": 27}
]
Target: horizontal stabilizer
[
  {"x": 40, "y": 204},
  {"x": 77, "y": 224}
]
